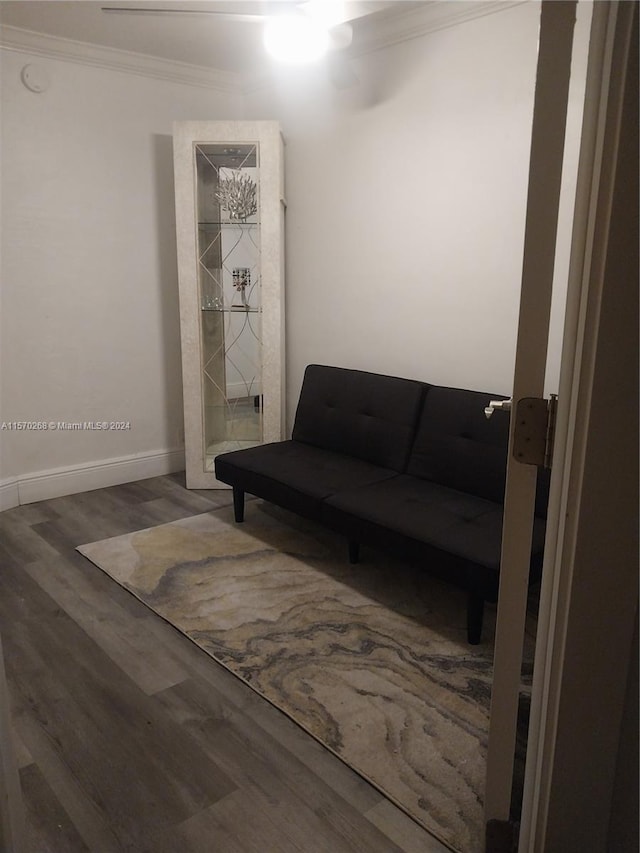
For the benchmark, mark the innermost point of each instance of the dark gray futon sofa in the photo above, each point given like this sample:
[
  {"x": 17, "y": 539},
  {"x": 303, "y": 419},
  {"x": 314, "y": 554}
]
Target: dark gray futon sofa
[{"x": 398, "y": 464}]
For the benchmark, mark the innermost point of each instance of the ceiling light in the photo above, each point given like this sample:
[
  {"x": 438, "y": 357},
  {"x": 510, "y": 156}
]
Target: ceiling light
[{"x": 295, "y": 39}]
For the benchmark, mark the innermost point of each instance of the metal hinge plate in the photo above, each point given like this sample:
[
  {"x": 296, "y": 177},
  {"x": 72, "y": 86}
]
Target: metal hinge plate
[{"x": 534, "y": 430}]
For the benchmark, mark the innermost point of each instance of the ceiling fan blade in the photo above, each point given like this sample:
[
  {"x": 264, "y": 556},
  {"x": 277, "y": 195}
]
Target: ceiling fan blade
[
  {"x": 227, "y": 16},
  {"x": 329, "y": 13}
]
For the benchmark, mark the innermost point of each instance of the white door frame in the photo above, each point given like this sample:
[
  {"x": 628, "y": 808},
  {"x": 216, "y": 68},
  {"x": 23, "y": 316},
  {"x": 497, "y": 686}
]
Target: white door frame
[
  {"x": 545, "y": 825},
  {"x": 564, "y": 601},
  {"x": 543, "y": 200}
]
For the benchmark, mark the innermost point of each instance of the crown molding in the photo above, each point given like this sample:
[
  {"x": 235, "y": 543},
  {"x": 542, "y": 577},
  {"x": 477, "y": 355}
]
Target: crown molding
[
  {"x": 433, "y": 16},
  {"x": 377, "y": 35},
  {"x": 112, "y": 59}
]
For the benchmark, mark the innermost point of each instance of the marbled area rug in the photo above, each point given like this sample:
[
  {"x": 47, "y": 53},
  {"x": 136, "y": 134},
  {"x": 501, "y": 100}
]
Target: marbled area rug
[{"x": 372, "y": 660}]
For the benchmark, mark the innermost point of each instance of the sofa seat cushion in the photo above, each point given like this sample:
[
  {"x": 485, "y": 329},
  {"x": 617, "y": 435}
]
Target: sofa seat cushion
[
  {"x": 295, "y": 475},
  {"x": 461, "y": 524}
]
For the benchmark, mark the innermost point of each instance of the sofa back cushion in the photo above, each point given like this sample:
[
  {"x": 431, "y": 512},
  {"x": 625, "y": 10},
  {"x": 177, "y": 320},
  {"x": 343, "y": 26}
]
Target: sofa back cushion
[
  {"x": 365, "y": 415},
  {"x": 456, "y": 445}
]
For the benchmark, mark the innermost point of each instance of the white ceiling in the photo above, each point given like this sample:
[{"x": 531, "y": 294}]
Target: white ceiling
[{"x": 190, "y": 36}]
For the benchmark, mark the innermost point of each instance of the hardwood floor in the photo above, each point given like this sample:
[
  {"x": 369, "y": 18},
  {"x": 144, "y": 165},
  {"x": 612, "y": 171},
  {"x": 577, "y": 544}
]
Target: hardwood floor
[{"x": 129, "y": 737}]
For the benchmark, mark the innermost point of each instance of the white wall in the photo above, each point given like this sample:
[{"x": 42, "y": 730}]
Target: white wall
[
  {"x": 406, "y": 201},
  {"x": 406, "y": 204},
  {"x": 90, "y": 326}
]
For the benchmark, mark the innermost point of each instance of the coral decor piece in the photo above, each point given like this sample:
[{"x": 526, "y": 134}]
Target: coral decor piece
[{"x": 238, "y": 194}]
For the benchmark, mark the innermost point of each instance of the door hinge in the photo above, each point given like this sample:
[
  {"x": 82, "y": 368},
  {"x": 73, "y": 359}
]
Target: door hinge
[{"x": 534, "y": 430}]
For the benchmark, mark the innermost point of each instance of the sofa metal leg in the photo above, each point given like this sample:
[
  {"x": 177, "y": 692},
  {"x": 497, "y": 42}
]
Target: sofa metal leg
[
  {"x": 238, "y": 504},
  {"x": 475, "y": 613},
  {"x": 354, "y": 552}
]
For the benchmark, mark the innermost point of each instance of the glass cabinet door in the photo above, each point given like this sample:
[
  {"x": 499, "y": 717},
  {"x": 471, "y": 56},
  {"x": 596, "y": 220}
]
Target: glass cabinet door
[
  {"x": 228, "y": 186},
  {"x": 228, "y": 206}
]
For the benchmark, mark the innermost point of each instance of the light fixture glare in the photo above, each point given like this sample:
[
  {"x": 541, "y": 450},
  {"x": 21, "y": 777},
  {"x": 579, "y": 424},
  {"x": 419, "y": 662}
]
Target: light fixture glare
[{"x": 295, "y": 39}]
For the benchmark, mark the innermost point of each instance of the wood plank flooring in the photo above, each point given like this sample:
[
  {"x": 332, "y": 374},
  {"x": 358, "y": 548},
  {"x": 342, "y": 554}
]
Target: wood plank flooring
[{"x": 129, "y": 737}]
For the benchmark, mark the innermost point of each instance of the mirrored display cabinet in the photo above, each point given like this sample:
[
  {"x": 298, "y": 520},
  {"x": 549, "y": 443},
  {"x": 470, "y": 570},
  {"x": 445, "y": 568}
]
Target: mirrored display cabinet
[{"x": 229, "y": 187}]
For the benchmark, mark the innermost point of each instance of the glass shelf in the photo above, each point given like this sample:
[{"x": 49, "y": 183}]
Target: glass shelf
[
  {"x": 234, "y": 309},
  {"x": 226, "y": 224}
]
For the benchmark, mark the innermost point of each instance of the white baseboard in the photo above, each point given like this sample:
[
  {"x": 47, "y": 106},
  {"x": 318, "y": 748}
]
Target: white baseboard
[
  {"x": 9, "y": 494},
  {"x": 58, "y": 482}
]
